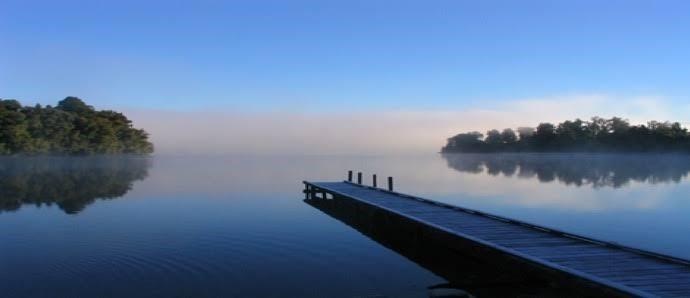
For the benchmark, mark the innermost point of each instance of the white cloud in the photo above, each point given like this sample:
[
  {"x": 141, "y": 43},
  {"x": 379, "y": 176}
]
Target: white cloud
[{"x": 373, "y": 132}]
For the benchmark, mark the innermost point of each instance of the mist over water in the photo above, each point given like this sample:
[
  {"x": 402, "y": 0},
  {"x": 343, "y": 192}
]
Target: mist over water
[
  {"x": 366, "y": 131},
  {"x": 228, "y": 225}
]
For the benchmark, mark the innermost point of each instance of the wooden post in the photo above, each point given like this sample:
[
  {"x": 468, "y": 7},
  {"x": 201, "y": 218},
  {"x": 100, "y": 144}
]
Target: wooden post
[
  {"x": 359, "y": 177},
  {"x": 374, "y": 180},
  {"x": 349, "y": 176},
  {"x": 390, "y": 183}
]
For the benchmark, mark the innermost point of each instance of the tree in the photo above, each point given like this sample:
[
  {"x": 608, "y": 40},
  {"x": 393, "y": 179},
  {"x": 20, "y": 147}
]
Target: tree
[
  {"x": 571, "y": 133},
  {"x": 508, "y": 136},
  {"x": 10, "y": 104},
  {"x": 72, "y": 127},
  {"x": 618, "y": 125},
  {"x": 545, "y": 130},
  {"x": 597, "y": 126},
  {"x": 74, "y": 104},
  {"x": 493, "y": 137},
  {"x": 615, "y": 134},
  {"x": 525, "y": 132},
  {"x": 466, "y": 142},
  {"x": 544, "y": 135}
]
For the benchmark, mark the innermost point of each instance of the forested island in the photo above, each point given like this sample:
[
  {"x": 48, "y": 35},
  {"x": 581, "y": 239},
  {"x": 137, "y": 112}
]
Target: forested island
[
  {"x": 597, "y": 135},
  {"x": 70, "y": 128}
]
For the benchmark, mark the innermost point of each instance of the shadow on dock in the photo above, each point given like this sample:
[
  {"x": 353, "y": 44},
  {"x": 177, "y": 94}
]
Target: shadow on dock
[{"x": 467, "y": 273}]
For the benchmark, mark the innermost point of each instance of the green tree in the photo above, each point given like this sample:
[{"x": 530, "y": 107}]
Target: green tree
[
  {"x": 613, "y": 135},
  {"x": 465, "y": 142},
  {"x": 74, "y": 104},
  {"x": 72, "y": 127},
  {"x": 525, "y": 132},
  {"x": 493, "y": 137},
  {"x": 508, "y": 136}
]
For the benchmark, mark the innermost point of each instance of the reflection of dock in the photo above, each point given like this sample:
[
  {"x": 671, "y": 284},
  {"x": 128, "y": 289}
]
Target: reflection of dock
[
  {"x": 533, "y": 251},
  {"x": 435, "y": 251}
]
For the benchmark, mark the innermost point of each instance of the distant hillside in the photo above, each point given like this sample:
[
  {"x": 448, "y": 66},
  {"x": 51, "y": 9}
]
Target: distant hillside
[
  {"x": 596, "y": 135},
  {"x": 70, "y": 128}
]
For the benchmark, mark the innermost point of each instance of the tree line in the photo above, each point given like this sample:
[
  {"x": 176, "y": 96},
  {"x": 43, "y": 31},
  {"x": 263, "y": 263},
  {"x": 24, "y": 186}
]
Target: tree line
[
  {"x": 597, "y": 135},
  {"x": 70, "y": 128}
]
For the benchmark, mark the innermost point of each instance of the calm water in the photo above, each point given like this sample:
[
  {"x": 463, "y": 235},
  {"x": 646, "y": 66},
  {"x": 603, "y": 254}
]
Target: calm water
[{"x": 238, "y": 226}]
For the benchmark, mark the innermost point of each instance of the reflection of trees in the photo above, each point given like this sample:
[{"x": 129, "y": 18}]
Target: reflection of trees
[
  {"x": 71, "y": 183},
  {"x": 597, "y": 170}
]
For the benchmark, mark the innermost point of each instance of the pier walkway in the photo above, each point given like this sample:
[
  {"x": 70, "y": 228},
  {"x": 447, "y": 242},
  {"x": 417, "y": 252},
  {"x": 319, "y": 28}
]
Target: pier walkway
[{"x": 620, "y": 269}]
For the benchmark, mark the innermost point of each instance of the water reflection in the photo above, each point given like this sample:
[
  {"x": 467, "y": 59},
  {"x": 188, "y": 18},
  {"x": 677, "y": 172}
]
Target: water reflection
[
  {"x": 71, "y": 183},
  {"x": 445, "y": 256},
  {"x": 595, "y": 170}
]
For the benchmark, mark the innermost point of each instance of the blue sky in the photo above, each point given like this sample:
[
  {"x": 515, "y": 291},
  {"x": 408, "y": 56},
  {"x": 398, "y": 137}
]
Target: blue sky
[{"x": 340, "y": 55}]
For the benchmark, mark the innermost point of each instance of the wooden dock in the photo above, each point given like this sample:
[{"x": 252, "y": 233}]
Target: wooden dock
[{"x": 609, "y": 267}]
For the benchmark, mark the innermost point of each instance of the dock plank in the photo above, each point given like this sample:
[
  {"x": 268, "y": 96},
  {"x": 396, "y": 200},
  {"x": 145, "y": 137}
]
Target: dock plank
[{"x": 628, "y": 270}]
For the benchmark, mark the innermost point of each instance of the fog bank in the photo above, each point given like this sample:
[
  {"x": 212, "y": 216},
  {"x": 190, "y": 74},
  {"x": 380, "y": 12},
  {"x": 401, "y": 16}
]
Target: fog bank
[{"x": 373, "y": 132}]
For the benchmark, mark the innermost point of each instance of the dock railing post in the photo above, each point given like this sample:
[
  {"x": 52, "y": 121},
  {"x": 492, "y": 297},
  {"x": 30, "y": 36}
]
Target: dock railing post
[
  {"x": 349, "y": 176},
  {"x": 390, "y": 183},
  {"x": 374, "y": 180},
  {"x": 359, "y": 177}
]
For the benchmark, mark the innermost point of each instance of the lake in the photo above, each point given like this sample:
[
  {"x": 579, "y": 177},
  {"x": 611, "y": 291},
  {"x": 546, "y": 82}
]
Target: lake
[{"x": 209, "y": 226}]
